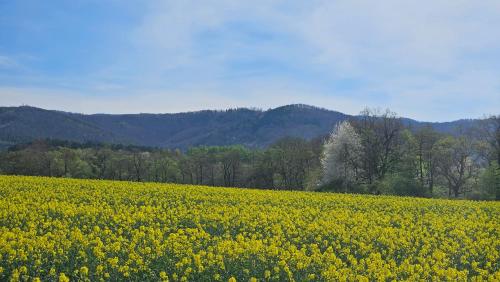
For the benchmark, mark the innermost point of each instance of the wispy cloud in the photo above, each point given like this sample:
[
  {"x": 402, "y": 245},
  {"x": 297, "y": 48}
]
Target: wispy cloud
[
  {"x": 424, "y": 59},
  {"x": 7, "y": 62}
]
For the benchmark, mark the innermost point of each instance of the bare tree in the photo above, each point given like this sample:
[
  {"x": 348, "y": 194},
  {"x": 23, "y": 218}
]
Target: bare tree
[
  {"x": 140, "y": 164},
  {"x": 380, "y": 139},
  {"x": 292, "y": 158},
  {"x": 230, "y": 159}
]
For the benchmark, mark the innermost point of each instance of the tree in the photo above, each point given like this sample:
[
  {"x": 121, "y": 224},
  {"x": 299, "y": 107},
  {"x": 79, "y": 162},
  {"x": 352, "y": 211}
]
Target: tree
[
  {"x": 187, "y": 169},
  {"x": 455, "y": 163},
  {"x": 102, "y": 161},
  {"x": 380, "y": 138},
  {"x": 68, "y": 157},
  {"x": 292, "y": 158},
  {"x": 231, "y": 159},
  {"x": 262, "y": 171},
  {"x": 489, "y": 135},
  {"x": 426, "y": 139},
  {"x": 200, "y": 159},
  {"x": 488, "y": 184},
  {"x": 120, "y": 166},
  {"x": 341, "y": 156},
  {"x": 140, "y": 164}
]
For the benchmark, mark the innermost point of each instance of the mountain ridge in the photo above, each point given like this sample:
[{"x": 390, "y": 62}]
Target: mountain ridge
[{"x": 249, "y": 127}]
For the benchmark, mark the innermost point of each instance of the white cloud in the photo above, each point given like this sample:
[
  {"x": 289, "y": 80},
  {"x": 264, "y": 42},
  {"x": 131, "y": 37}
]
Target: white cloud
[
  {"x": 430, "y": 36},
  {"x": 430, "y": 60}
]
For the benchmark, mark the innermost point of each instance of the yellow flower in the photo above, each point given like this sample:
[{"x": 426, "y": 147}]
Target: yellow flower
[
  {"x": 113, "y": 262},
  {"x": 127, "y": 230},
  {"x": 63, "y": 278},
  {"x": 84, "y": 270},
  {"x": 163, "y": 275},
  {"x": 99, "y": 269}
]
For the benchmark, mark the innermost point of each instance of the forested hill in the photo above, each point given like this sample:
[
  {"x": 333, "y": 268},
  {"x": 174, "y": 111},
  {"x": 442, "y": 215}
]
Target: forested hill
[{"x": 253, "y": 128}]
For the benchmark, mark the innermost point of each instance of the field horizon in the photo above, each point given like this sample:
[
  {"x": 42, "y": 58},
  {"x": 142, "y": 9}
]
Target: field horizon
[{"x": 253, "y": 189}]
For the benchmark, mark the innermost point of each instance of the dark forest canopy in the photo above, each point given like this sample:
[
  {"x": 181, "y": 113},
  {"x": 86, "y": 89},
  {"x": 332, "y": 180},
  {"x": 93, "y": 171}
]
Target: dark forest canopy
[
  {"x": 375, "y": 152},
  {"x": 249, "y": 127}
]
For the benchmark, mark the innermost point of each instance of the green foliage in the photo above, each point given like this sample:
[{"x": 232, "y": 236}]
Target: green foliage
[
  {"x": 401, "y": 185},
  {"x": 342, "y": 186},
  {"x": 488, "y": 184}
]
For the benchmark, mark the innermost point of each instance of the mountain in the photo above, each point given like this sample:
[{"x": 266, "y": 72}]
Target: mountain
[{"x": 253, "y": 128}]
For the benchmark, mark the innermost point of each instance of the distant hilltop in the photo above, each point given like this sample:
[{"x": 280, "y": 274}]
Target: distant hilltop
[{"x": 249, "y": 127}]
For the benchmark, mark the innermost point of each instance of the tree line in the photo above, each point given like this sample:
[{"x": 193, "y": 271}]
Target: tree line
[
  {"x": 287, "y": 164},
  {"x": 377, "y": 154},
  {"x": 374, "y": 153}
]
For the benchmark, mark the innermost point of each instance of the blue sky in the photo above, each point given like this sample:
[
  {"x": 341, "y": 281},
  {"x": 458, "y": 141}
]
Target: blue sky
[{"x": 428, "y": 60}]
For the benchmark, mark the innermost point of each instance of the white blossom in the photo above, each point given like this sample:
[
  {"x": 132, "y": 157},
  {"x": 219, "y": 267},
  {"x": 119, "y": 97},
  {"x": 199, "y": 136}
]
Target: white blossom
[{"x": 341, "y": 153}]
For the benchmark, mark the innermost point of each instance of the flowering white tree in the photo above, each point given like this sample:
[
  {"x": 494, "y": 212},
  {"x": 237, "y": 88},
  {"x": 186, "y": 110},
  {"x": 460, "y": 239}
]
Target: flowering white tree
[{"x": 341, "y": 155}]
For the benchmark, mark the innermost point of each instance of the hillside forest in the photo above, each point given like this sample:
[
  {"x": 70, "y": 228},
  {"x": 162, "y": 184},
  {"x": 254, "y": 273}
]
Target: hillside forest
[{"x": 373, "y": 153}]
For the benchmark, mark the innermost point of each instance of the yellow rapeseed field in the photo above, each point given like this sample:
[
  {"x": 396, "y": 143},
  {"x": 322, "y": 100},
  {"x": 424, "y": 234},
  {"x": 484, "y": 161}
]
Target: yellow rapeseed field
[{"x": 88, "y": 230}]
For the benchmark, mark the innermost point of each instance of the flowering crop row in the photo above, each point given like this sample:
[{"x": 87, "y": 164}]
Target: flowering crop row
[{"x": 89, "y": 230}]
